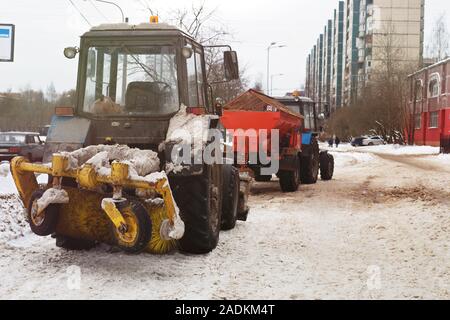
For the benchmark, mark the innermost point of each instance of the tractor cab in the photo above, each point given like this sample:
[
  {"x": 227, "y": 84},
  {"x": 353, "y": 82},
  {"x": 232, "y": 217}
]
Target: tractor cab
[
  {"x": 132, "y": 79},
  {"x": 305, "y": 107}
]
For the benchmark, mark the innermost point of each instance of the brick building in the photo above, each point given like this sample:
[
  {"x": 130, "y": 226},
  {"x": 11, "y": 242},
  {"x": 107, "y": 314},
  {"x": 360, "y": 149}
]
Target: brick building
[{"x": 429, "y": 105}]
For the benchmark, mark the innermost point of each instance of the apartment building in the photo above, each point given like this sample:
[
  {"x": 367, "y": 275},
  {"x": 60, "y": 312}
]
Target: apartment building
[
  {"x": 337, "y": 58},
  {"x": 360, "y": 33}
]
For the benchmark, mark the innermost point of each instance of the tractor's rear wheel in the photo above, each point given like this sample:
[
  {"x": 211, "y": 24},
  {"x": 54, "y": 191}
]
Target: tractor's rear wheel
[
  {"x": 200, "y": 201},
  {"x": 138, "y": 228},
  {"x": 230, "y": 198},
  {"x": 310, "y": 163},
  {"x": 326, "y": 166},
  {"x": 290, "y": 180},
  {"x": 42, "y": 224}
]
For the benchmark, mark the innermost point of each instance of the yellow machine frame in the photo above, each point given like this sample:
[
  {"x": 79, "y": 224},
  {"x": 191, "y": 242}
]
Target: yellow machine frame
[{"x": 23, "y": 173}]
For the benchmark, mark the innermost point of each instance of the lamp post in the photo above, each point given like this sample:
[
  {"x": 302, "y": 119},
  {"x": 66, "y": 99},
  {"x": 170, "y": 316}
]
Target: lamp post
[
  {"x": 116, "y": 5},
  {"x": 271, "y": 81},
  {"x": 271, "y": 46}
]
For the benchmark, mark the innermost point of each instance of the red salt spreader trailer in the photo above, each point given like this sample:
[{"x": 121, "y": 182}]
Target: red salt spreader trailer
[{"x": 267, "y": 139}]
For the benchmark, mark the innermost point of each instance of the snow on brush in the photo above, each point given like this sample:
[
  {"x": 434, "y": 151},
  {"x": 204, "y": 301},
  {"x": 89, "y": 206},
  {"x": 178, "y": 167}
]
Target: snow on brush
[{"x": 141, "y": 162}]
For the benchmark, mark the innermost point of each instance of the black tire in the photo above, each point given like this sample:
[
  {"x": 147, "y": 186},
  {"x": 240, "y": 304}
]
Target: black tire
[
  {"x": 200, "y": 202},
  {"x": 310, "y": 163},
  {"x": 47, "y": 224},
  {"x": 136, "y": 211},
  {"x": 230, "y": 199},
  {"x": 326, "y": 166},
  {"x": 69, "y": 243},
  {"x": 290, "y": 180}
]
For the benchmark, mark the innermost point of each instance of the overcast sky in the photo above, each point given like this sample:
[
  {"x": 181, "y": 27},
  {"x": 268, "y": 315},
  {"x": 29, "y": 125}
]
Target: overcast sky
[{"x": 45, "y": 27}]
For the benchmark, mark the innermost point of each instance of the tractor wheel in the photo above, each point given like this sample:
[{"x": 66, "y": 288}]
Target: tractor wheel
[
  {"x": 139, "y": 227},
  {"x": 200, "y": 201},
  {"x": 45, "y": 223},
  {"x": 326, "y": 166},
  {"x": 290, "y": 180},
  {"x": 310, "y": 163},
  {"x": 69, "y": 243},
  {"x": 230, "y": 197}
]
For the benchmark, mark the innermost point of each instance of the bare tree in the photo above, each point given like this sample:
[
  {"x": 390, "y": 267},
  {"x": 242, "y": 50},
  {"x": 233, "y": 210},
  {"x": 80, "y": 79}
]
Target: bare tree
[
  {"x": 438, "y": 46},
  {"x": 202, "y": 24},
  {"x": 381, "y": 106}
]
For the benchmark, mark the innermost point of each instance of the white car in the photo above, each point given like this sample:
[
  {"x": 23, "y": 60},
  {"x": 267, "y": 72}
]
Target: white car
[{"x": 373, "y": 141}]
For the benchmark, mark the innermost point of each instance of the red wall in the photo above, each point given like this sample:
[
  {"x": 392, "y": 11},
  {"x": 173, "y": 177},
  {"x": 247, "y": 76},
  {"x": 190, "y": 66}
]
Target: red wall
[{"x": 426, "y": 135}]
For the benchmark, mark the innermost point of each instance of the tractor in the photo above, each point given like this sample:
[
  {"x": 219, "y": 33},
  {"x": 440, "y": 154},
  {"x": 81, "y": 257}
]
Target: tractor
[
  {"x": 253, "y": 117},
  {"x": 132, "y": 80}
]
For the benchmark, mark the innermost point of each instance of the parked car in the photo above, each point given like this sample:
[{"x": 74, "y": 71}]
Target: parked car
[
  {"x": 367, "y": 141},
  {"x": 26, "y": 144}
]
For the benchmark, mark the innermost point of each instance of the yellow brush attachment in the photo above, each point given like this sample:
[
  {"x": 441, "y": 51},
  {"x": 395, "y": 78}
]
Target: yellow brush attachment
[{"x": 157, "y": 245}]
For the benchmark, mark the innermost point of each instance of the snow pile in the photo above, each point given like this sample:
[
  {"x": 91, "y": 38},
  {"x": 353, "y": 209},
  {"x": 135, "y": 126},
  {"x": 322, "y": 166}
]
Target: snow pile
[
  {"x": 7, "y": 185},
  {"x": 187, "y": 128},
  {"x": 343, "y": 159},
  {"x": 395, "y": 149},
  {"x": 4, "y": 169},
  {"x": 12, "y": 218},
  {"x": 52, "y": 196},
  {"x": 141, "y": 162}
]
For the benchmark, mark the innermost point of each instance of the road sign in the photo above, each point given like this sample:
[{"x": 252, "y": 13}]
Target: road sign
[{"x": 7, "y": 42}]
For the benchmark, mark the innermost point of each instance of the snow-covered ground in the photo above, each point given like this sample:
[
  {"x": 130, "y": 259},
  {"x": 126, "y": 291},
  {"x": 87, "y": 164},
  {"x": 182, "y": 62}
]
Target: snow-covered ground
[{"x": 379, "y": 230}]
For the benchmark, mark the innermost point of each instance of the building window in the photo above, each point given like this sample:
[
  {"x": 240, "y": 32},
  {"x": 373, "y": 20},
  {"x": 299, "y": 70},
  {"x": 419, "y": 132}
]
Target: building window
[
  {"x": 434, "y": 120},
  {"x": 434, "y": 86},
  {"x": 418, "y": 90},
  {"x": 418, "y": 121}
]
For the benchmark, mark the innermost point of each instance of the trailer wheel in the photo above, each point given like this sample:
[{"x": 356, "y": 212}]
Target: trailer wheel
[
  {"x": 326, "y": 166},
  {"x": 45, "y": 223},
  {"x": 200, "y": 202},
  {"x": 230, "y": 198},
  {"x": 69, "y": 243},
  {"x": 139, "y": 228},
  {"x": 310, "y": 163},
  {"x": 290, "y": 180}
]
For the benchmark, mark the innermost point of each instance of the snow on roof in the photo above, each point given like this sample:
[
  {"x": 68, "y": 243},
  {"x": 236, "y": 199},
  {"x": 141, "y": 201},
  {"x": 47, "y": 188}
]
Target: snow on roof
[
  {"x": 126, "y": 26},
  {"x": 19, "y": 132},
  {"x": 446, "y": 60}
]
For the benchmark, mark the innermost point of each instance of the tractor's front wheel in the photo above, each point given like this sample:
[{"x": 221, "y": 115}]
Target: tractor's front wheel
[
  {"x": 43, "y": 223},
  {"x": 138, "y": 230},
  {"x": 200, "y": 201}
]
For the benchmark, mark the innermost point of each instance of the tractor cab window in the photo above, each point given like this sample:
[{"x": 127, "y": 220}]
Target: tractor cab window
[
  {"x": 126, "y": 80},
  {"x": 196, "y": 85}
]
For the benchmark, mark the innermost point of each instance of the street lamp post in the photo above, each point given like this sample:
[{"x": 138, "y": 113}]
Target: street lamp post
[
  {"x": 271, "y": 81},
  {"x": 271, "y": 46},
  {"x": 116, "y": 5}
]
